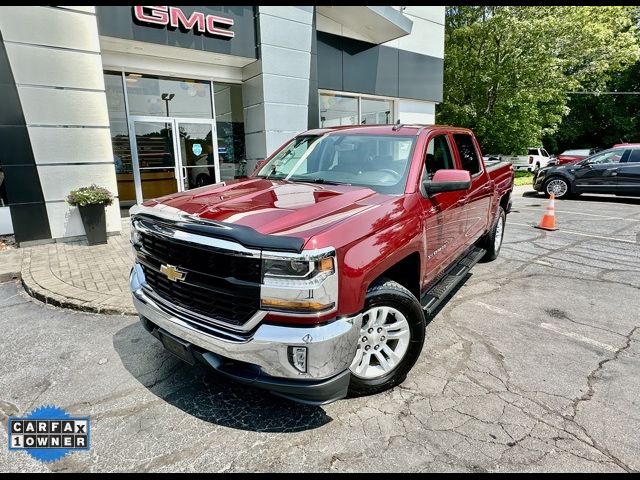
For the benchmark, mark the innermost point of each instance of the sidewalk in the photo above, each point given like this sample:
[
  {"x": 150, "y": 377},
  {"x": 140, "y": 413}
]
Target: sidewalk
[{"x": 74, "y": 275}]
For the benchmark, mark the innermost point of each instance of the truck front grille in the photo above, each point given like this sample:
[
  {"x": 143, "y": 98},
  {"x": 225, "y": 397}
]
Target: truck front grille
[
  {"x": 198, "y": 258},
  {"x": 223, "y": 287},
  {"x": 210, "y": 302}
]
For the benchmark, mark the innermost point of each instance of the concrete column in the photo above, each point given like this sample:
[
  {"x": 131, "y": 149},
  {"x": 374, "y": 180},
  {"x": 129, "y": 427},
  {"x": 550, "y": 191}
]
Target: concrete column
[
  {"x": 54, "y": 53},
  {"x": 276, "y": 88}
]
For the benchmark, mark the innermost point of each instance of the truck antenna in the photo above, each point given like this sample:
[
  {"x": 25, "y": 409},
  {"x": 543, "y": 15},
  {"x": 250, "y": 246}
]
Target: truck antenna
[{"x": 397, "y": 126}]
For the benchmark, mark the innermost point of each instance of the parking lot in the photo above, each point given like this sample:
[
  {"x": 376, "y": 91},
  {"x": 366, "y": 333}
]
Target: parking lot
[{"x": 532, "y": 365}]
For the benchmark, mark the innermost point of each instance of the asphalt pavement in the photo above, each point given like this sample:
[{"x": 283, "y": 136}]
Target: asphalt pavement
[{"x": 532, "y": 365}]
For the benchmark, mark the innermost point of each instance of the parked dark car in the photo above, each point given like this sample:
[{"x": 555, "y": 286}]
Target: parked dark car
[{"x": 615, "y": 171}]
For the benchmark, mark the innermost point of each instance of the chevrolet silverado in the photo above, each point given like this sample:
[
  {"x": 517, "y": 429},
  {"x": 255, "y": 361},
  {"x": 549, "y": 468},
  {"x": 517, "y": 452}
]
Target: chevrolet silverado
[{"x": 315, "y": 277}]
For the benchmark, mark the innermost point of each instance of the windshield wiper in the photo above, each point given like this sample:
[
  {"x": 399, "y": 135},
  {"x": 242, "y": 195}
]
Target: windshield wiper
[{"x": 318, "y": 180}]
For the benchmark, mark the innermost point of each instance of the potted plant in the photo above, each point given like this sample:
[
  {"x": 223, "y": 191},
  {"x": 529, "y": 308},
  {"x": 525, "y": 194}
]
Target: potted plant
[{"x": 91, "y": 202}]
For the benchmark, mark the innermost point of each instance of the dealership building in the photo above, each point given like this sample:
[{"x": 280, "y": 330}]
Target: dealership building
[{"x": 151, "y": 100}]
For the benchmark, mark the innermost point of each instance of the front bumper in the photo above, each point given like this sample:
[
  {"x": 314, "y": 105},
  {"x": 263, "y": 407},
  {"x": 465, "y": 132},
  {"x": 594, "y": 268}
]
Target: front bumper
[
  {"x": 262, "y": 357},
  {"x": 538, "y": 182}
]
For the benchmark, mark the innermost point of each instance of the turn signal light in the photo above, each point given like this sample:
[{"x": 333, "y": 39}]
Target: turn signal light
[
  {"x": 295, "y": 305},
  {"x": 325, "y": 264}
]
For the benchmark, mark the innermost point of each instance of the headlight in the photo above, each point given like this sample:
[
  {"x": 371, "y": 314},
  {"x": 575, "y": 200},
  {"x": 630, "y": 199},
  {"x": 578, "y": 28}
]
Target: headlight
[
  {"x": 305, "y": 283},
  {"x": 296, "y": 268},
  {"x": 136, "y": 239}
]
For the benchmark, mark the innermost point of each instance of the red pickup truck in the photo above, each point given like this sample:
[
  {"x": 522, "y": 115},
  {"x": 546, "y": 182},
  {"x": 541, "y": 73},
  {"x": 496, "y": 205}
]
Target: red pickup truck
[{"x": 315, "y": 277}]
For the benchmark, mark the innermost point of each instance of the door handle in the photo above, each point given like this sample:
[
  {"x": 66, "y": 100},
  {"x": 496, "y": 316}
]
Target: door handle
[{"x": 614, "y": 171}]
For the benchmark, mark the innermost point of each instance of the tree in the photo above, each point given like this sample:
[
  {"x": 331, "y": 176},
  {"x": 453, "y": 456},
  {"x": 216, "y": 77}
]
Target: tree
[
  {"x": 600, "y": 120},
  {"x": 508, "y": 69}
]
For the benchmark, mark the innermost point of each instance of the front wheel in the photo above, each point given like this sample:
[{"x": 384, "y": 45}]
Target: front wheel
[
  {"x": 557, "y": 186},
  {"x": 391, "y": 339},
  {"x": 493, "y": 240}
]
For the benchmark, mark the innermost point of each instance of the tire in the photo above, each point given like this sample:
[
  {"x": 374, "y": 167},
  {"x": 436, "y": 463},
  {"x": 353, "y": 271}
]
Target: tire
[
  {"x": 202, "y": 180},
  {"x": 489, "y": 242},
  {"x": 560, "y": 191},
  {"x": 385, "y": 293}
]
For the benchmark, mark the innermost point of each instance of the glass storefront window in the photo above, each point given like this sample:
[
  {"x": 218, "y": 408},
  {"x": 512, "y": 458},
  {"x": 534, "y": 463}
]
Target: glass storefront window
[
  {"x": 338, "y": 110},
  {"x": 196, "y": 150},
  {"x": 156, "y": 155},
  {"x": 178, "y": 151},
  {"x": 168, "y": 97},
  {"x": 376, "y": 112},
  {"x": 120, "y": 138},
  {"x": 230, "y": 130}
]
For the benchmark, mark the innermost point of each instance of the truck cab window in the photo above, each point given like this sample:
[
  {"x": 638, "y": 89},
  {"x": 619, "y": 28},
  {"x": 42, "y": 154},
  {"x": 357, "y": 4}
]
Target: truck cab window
[
  {"x": 438, "y": 156},
  {"x": 467, "y": 152}
]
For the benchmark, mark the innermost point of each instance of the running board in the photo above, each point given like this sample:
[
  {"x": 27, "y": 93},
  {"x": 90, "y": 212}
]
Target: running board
[{"x": 432, "y": 299}]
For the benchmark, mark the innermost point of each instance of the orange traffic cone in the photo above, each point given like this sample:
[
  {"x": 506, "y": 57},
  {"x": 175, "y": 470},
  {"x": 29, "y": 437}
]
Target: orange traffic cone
[{"x": 548, "y": 221}]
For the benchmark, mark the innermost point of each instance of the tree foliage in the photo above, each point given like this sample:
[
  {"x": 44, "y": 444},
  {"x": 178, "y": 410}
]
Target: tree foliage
[
  {"x": 601, "y": 120},
  {"x": 508, "y": 69}
]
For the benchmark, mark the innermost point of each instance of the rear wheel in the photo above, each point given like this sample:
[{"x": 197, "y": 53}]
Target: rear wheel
[
  {"x": 202, "y": 180},
  {"x": 493, "y": 240},
  {"x": 391, "y": 338}
]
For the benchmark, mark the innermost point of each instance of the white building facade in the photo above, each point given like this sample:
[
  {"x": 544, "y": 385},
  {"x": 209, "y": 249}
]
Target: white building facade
[{"x": 147, "y": 101}]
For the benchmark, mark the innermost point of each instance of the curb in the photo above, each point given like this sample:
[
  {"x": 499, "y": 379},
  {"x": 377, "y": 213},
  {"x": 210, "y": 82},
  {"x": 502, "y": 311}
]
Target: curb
[{"x": 49, "y": 298}]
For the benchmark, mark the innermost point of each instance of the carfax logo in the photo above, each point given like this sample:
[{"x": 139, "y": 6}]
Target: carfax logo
[{"x": 48, "y": 433}]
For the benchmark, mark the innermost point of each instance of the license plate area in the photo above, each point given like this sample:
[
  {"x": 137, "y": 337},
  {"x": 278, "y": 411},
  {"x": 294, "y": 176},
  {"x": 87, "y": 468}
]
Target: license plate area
[{"x": 177, "y": 347}]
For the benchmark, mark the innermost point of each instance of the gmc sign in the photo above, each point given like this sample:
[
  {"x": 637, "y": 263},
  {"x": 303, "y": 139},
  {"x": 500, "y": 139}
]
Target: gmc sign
[{"x": 174, "y": 17}]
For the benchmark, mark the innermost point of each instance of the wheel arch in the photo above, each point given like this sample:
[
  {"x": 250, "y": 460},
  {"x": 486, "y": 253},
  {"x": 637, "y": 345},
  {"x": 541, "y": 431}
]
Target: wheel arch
[{"x": 406, "y": 272}]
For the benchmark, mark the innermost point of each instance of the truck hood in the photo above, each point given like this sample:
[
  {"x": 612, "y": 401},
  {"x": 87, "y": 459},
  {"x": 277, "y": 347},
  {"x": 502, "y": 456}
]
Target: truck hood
[{"x": 274, "y": 206}]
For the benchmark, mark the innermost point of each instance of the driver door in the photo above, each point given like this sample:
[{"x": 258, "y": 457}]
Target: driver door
[
  {"x": 599, "y": 173},
  {"x": 443, "y": 218}
]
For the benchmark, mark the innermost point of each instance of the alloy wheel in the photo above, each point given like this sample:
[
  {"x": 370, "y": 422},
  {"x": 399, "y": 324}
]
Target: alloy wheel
[
  {"x": 557, "y": 187},
  {"x": 383, "y": 343}
]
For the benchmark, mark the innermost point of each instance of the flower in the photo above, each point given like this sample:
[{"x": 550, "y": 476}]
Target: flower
[{"x": 92, "y": 195}]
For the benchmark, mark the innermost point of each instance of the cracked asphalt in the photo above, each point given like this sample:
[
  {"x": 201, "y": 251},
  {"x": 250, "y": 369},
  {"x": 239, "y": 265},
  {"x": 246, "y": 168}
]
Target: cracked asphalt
[{"x": 532, "y": 365}]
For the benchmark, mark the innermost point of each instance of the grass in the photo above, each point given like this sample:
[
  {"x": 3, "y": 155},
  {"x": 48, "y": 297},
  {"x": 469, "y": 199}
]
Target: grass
[{"x": 523, "y": 178}]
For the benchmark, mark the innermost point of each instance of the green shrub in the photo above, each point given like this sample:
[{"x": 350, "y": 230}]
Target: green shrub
[{"x": 92, "y": 195}]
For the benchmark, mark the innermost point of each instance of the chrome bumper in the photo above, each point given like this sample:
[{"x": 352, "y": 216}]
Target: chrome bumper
[{"x": 330, "y": 347}]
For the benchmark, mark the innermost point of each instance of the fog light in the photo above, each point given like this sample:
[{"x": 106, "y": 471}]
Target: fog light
[{"x": 298, "y": 358}]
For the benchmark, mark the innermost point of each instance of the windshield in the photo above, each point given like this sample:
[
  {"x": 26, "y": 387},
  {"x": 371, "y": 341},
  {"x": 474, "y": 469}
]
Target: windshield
[
  {"x": 380, "y": 162},
  {"x": 576, "y": 152},
  {"x": 608, "y": 156}
]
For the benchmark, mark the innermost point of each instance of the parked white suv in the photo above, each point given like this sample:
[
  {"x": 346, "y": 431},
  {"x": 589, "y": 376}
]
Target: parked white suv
[{"x": 535, "y": 159}]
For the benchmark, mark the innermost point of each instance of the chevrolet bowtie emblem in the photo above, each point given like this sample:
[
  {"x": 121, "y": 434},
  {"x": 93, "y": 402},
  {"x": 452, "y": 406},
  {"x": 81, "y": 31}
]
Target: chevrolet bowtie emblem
[{"x": 172, "y": 273}]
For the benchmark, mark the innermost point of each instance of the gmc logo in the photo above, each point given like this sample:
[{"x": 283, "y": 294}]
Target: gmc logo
[{"x": 175, "y": 18}]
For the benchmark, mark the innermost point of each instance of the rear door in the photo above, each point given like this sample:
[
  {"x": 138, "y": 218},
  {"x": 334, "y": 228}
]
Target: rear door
[
  {"x": 479, "y": 195},
  {"x": 628, "y": 177},
  {"x": 443, "y": 213},
  {"x": 599, "y": 173}
]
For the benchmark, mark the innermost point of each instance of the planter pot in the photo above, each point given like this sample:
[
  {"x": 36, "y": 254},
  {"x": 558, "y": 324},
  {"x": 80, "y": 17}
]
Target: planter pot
[{"x": 95, "y": 223}]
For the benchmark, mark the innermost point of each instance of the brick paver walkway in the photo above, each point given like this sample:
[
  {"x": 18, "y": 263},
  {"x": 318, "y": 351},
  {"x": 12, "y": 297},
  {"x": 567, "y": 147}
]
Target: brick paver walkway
[{"x": 75, "y": 275}]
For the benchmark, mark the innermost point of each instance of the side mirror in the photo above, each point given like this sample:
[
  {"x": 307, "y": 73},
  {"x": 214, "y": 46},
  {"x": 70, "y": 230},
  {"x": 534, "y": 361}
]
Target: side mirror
[
  {"x": 447, "y": 180},
  {"x": 259, "y": 165}
]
